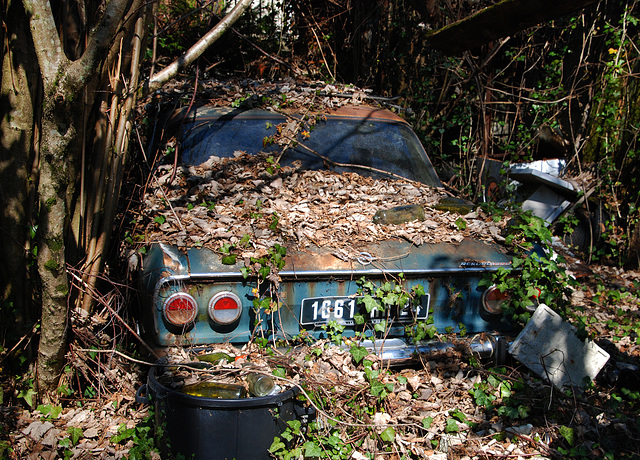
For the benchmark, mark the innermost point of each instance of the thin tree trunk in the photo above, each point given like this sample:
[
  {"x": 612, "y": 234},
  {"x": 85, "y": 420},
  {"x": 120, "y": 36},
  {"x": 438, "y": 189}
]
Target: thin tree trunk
[{"x": 20, "y": 93}]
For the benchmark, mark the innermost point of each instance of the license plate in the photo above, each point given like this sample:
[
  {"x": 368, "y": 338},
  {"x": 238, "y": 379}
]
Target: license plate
[{"x": 317, "y": 311}]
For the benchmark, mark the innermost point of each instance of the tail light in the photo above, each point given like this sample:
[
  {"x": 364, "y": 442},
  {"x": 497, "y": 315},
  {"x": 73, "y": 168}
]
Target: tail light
[
  {"x": 225, "y": 308},
  {"x": 493, "y": 300},
  {"x": 180, "y": 309}
]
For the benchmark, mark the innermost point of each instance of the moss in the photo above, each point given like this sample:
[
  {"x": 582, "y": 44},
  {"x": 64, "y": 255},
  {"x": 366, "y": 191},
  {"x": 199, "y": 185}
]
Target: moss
[
  {"x": 50, "y": 203},
  {"x": 51, "y": 265},
  {"x": 55, "y": 244},
  {"x": 62, "y": 289}
]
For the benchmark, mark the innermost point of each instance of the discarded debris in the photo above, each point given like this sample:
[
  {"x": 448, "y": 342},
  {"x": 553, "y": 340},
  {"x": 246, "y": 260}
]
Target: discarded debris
[{"x": 550, "y": 347}]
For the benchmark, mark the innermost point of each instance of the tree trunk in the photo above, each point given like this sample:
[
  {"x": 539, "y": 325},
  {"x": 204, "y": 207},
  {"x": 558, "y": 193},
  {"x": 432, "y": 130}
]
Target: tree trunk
[
  {"x": 53, "y": 187},
  {"x": 20, "y": 93}
]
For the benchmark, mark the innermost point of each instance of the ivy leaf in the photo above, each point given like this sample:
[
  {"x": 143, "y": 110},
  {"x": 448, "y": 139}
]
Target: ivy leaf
[
  {"x": 28, "y": 396},
  {"x": 567, "y": 434},
  {"x": 461, "y": 223},
  {"x": 311, "y": 449},
  {"x": 505, "y": 391},
  {"x": 388, "y": 435},
  {"x": 426, "y": 422},
  {"x": 358, "y": 353},
  {"x": 458, "y": 415},
  {"x": 229, "y": 259},
  {"x": 295, "y": 426},
  {"x": 279, "y": 372},
  {"x": 277, "y": 445},
  {"x": 381, "y": 326},
  {"x": 124, "y": 433},
  {"x": 452, "y": 426},
  {"x": 75, "y": 434},
  {"x": 378, "y": 389},
  {"x": 370, "y": 303},
  {"x": 482, "y": 399}
]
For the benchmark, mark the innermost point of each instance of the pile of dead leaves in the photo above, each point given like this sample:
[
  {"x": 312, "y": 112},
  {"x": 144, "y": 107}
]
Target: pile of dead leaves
[{"x": 219, "y": 203}]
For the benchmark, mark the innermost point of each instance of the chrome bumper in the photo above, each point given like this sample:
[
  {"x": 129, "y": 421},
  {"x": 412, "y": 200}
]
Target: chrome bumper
[{"x": 397, "y": 352}]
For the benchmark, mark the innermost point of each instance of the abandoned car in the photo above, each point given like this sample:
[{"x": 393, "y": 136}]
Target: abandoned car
[{"x": 278, "y": 226}]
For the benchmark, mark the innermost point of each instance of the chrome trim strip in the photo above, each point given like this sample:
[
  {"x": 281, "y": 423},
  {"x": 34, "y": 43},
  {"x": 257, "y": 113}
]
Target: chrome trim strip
[{"x": 293, "y": 275}]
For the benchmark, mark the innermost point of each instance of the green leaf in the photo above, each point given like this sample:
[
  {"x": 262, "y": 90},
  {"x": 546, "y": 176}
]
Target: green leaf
[
  {"x": 418, "y": 290},
  {"x": 493, "y": 381},
  {"x": 505, "y": 391},
  {"x": 381, "y": 326},
  {"x": 358, "y": 353},
  {"x": 229, "y": 259},
  {"x": 277, "y": 445},
  {"x": 75, "y": 434},
  {"x": 279, "y": 372},
  {"x": 66, "y": 442},
  {"x": 452, "y": 426},
  {"x": 461, "y": 223},
  {"x": 426, "y": 422},
  {"x": 160, "y": 219},
  {"x": 370, "y": 303},
  {"x": 311, "y": 449},
  {"x": 388, "y": 435},
  {"x": 28, "y": 396},
  {"x": 359, "y": 318},
  {"x": 568, "y": 434},
  {"x": 124, "y": 434},
  {"x": 458, "y": 415},
  {"x": 295, "y": 425},
  {"x": 378, "y": 389},
  {"x": 482, "y": 398}
]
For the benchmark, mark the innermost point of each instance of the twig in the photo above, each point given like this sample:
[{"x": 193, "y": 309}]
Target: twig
[
  {"x": 116, "y": 352},
  {"x": 113, "y": 312}
]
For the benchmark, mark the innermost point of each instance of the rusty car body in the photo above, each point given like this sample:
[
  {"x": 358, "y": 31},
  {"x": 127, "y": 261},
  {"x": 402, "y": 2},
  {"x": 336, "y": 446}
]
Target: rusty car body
[{"x": 192, "y": 298}]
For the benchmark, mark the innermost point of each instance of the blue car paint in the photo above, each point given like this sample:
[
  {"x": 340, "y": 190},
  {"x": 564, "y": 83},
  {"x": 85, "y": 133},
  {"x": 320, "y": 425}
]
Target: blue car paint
[
  {"x": 449, "y": 272},
  {"x": 446, "y": 272}
]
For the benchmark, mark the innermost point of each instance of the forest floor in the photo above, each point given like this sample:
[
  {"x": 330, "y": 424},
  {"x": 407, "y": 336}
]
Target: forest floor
[{"x": 442, "y": 407}]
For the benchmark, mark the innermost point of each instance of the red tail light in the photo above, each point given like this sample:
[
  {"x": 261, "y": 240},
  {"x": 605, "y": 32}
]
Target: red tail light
[
  {"x": 493, "y": 300},
  {"x": 180, "y": 309},
  {"x": 225, "y": 308}
]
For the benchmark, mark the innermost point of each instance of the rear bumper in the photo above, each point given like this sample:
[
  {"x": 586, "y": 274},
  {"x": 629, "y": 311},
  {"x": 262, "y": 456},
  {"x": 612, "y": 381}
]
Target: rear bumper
[{"x": 398, "y": 352}]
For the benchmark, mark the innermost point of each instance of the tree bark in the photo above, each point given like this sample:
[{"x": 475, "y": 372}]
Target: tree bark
[
  {"x": 20, "y": 93},
  {"x": 62, "y": 121}
]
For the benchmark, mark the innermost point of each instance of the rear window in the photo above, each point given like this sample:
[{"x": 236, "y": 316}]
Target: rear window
[{"x": 378, "y": 144}]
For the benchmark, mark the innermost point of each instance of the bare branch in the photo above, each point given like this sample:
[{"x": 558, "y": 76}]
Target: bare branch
[
  {"x": 82, "y": 69},
  {"x": 46, "y": 40},
  {"x": 196, "y": 50},
  {"x": 505, "y": 18}
]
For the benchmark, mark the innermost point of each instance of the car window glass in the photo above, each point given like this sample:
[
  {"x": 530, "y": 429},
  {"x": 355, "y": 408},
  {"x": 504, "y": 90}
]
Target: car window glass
[{"x": 386, "y": 146}]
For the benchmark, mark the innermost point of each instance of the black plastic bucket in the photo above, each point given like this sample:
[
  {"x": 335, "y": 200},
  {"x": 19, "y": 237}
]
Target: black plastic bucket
[{"x": 218, "y": 429}]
